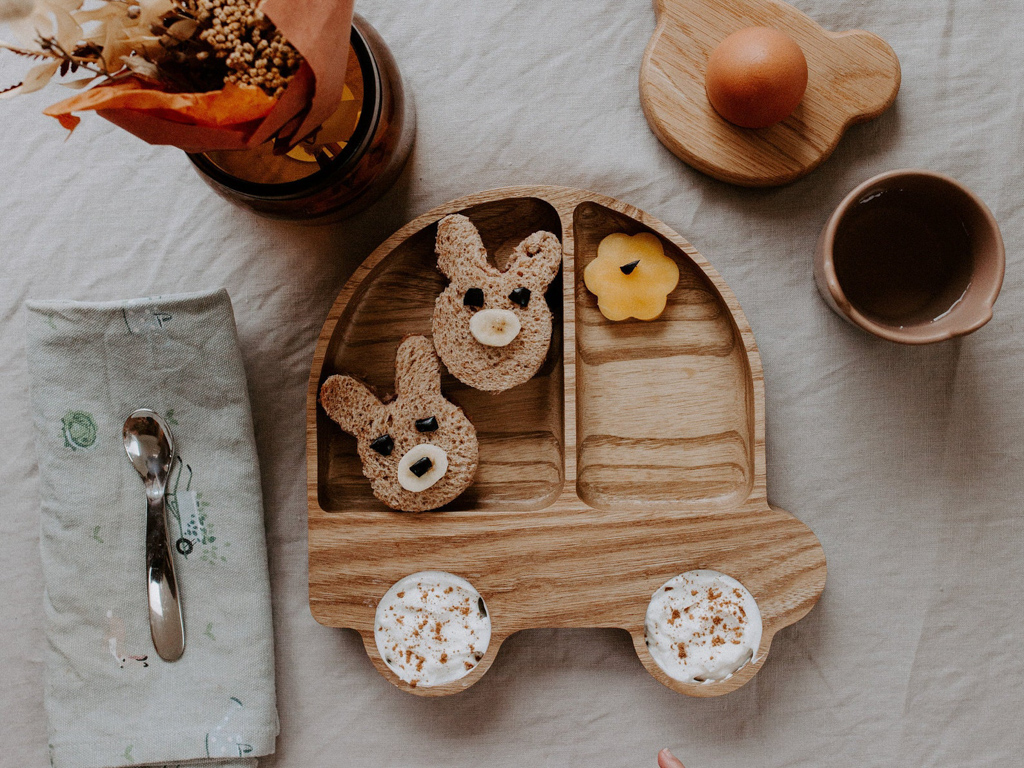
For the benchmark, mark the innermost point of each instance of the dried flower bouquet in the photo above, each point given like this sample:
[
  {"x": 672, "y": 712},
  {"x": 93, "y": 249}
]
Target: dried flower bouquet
[{"x": 198, "y": 74}]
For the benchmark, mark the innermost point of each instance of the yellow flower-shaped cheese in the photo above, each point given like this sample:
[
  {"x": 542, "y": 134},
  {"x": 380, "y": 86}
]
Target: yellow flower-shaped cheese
[{"x": 631, "y": 276}]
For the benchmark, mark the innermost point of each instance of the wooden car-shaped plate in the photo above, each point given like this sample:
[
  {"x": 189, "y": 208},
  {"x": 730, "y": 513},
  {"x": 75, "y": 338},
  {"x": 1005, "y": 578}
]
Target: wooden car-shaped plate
[{"x": 634, "y": 455}]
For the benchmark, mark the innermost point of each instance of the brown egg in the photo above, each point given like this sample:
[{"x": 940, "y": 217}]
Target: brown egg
[{"x": 756, "y": 77}]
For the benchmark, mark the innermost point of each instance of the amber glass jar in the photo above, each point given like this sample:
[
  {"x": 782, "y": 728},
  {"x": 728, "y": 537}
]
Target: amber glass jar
[{"x": 340, "y": 170}]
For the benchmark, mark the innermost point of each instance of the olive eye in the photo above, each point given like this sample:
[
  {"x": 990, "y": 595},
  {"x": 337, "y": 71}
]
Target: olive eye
[
  {"x": 520, "y": 296},
  {"x": 474, "y": 298},
  {"x": 383, "y": 445},
  {"x": 428, "y": 424},
  {"x": 421, "y": 467}
]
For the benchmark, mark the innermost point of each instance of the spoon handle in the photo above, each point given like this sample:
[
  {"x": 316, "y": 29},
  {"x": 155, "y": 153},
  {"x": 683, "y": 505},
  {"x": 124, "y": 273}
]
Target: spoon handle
[{"x": 165, "y": 621}]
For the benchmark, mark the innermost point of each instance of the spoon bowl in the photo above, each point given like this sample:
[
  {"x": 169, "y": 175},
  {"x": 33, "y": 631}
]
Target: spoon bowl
[{"x": 150, "y": 448}]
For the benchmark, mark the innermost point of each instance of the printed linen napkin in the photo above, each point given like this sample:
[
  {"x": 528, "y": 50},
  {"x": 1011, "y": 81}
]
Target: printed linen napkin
[{"x": 110, "y": 699}]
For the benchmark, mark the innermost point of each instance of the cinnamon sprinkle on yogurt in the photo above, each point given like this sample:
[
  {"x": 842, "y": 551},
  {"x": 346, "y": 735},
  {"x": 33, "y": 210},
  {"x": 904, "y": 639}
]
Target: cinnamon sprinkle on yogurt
[
  {"x": 720, "y": 634},
  {"x": 437, "y": 626}
]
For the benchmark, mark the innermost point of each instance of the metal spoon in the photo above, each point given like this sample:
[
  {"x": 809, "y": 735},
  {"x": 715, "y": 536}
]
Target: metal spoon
[{"x": 150, "y": 447}]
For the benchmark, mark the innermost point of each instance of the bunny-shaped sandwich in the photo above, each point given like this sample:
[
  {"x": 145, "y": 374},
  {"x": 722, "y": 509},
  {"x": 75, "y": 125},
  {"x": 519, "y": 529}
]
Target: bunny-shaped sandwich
[
  {"x": 493, "y": 329},
  {"x": 419, "y": 451}
]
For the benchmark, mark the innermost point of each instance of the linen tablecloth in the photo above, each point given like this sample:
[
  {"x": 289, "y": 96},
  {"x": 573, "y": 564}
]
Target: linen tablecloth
[{"x": 906, "y": 462}]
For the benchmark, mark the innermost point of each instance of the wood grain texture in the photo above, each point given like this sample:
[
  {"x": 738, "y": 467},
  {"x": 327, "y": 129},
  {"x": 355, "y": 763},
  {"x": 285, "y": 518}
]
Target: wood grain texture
[
  {"x": 618, "y": 467},
  {"x": 854, "y": 76}
]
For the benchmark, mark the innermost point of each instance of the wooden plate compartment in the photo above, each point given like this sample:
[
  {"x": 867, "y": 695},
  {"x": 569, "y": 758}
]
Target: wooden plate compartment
[
  {"x": 521, "y": 438},
  {"x": 635, "y": 458},
  {"x": 664, "y": 408}
]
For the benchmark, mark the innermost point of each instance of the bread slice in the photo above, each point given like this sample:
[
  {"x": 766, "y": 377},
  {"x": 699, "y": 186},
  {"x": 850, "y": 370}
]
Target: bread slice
[
  {"x": 352, "y": 405},
  {"x": 461, "y": 256}
]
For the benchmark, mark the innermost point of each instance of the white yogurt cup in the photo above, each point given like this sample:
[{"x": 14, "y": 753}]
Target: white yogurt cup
[
  {"x": 432, "y": 628},
  {"x": 702, "y": 626}
]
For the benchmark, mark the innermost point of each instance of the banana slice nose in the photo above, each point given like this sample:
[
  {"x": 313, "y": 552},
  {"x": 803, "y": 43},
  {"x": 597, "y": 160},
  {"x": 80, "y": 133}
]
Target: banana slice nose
[
  {"x": 495, "y": 327},
  {"x": 421, "y": 467}
]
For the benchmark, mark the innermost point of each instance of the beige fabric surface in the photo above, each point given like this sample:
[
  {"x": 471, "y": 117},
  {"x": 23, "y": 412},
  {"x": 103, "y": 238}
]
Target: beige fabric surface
[{"x": 905, "y": 461}]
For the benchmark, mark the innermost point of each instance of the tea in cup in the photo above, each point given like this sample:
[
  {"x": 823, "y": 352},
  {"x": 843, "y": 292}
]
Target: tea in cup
[{"x": 913, "y": 257}]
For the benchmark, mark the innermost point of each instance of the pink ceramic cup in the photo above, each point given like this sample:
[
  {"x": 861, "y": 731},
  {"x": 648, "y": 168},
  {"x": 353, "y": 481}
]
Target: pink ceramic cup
[{"x": 986, "y": 263}]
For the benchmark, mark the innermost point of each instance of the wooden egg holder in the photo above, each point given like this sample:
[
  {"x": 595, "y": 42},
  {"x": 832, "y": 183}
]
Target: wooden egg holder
[
  {"x": 619, "y": 466},
  {"x": 853, "y": 77}
]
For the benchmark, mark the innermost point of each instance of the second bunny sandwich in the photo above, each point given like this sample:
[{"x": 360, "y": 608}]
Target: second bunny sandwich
[{"x": 492, "y": 329}]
